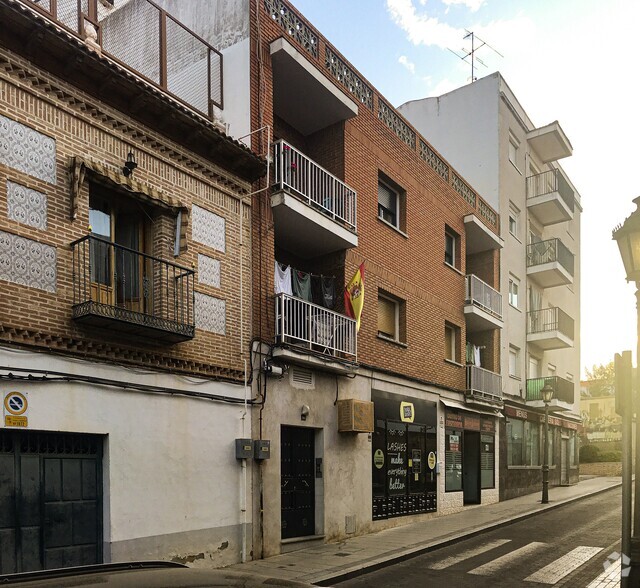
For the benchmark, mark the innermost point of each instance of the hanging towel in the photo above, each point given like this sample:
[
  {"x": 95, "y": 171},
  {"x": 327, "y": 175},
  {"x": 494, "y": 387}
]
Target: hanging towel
[
  {"x": 476, "y": 356},
  {"x": 282, "y": 280},
  {"x": 301, "y": 283},
  {"x": 328, "y": 284}
]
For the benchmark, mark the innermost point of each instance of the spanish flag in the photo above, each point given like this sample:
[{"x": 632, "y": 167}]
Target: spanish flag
[{"x": 354, "y": 296}]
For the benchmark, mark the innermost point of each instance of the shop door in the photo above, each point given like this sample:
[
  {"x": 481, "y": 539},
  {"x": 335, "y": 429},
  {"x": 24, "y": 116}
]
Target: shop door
[
  {"x": 471, "y": 467},
  {"x": 297, "y": 483},
  {"x": 50, "y": 500},
  {"x": 564, "y": 470}
]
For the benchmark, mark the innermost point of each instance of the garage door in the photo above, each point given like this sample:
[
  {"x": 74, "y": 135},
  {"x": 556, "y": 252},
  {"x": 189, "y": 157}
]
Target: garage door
[{"x": 50, "y": 500}]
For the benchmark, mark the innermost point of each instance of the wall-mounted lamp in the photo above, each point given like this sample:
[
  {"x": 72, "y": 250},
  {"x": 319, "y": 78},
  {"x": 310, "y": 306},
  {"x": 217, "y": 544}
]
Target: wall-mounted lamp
[
  {"x": 129, "y": 165},
  {"x": 304, "y": 412}
]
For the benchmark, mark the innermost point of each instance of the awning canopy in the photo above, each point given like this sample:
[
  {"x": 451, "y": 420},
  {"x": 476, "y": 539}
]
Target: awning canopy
[{"x": 462, "y": 406}]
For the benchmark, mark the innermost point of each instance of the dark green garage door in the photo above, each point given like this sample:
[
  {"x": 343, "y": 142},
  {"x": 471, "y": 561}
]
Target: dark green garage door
[{"x": 50, "y": 500}]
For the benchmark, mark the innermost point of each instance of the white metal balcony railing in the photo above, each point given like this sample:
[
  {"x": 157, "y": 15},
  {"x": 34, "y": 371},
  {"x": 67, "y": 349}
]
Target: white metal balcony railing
[
  {"x": 309, "y": 325},
  {"x": 480, "y": 294},
  {"x": 295, "y": 172},
  {"x": 484, "y": 384}
]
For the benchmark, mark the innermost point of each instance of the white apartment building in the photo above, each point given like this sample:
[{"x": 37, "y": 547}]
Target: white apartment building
[{"x": 485, "y": 133}]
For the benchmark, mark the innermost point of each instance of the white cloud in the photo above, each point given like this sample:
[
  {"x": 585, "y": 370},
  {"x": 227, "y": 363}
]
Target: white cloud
[
  {"x": 472, "y": 5},
  {"x": 420, "y": 29},
  {"x": 404, "y": 60}
]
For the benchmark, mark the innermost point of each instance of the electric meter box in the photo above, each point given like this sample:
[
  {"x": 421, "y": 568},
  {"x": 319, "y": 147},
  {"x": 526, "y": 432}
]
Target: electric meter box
[
  {"x": 244, "y": 448},
  {"x": 261, "y": 449}
]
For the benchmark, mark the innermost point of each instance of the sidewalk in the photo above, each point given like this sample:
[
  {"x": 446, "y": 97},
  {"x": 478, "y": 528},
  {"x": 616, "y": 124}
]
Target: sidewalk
[{"x": 333, "y": 561}]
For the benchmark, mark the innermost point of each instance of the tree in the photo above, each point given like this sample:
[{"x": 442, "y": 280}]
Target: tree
[{"x": 601, "y": 380}]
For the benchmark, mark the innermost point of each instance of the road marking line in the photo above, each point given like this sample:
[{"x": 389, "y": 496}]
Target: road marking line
[
  {"x": 496, "y": 565},
  {"x": 469, "y": 553},
  {"x": 564, "y": 565},
  {"x": 610, "y": 578}
]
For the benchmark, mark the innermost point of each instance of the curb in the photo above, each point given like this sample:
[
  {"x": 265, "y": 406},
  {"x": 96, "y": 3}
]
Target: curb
[{"x": 445, "y": 541}]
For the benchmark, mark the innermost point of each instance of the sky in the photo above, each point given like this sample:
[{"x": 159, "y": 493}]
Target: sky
[{"x": 573, "y": 61}]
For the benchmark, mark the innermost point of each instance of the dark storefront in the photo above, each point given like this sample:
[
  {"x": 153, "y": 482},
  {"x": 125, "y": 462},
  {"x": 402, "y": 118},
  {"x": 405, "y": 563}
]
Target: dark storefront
[
  {"x": 469, "y": 454},
  {"x": 404, "y": 456},
  {"x": 522, "y": 449}
]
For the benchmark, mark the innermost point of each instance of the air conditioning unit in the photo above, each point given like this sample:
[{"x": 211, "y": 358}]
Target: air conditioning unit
[{"x": 355, "y": 416}]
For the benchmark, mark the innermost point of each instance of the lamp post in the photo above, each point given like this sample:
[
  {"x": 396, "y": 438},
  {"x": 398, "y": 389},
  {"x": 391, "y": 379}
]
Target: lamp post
[
  {"x": 547, "y": 395},
  {"x": 627, "y": 236}
]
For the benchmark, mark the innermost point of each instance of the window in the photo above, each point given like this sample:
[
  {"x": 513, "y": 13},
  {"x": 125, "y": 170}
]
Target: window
[
  {"x": 514, "y": 145},
  {"x": 551, "y": 370},
  {"x": 514, "y": 221},
  {"x": 523, "y": 443},
  {"x": 534, "y": 367},
  {"x": 487, "y": 461},
  {"x": 391, "y": 317},
  {"x": 453, "y": 460},
  {"x": 451, "y": 247},
  {"x": 514, "y": 361},
  {"x": 514, "y": 286},
  {"x": 451, "y": 339},
  {"x": 391, "y": 200}
]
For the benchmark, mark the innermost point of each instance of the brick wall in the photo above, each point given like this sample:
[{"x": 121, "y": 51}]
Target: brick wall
[
  {"x": 82, "y": 126},
  {"x": 409, "y": 266}
]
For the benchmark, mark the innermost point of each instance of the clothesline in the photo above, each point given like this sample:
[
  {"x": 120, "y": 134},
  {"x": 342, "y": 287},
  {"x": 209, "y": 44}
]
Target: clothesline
[
  {"x": 284, "y": 266},
  {"x": 314, "y": 288}
]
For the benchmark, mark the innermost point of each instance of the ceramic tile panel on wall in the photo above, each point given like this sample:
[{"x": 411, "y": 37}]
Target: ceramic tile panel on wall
[
  {"x": 27, "y": 262},
  {"x": 211, "y": 314},
  {"x": 208, "y": 271},
  {"x": 26, "y": 206},
  {"x": 26, "y": 150},
  {"x": 208, "y": 228}
]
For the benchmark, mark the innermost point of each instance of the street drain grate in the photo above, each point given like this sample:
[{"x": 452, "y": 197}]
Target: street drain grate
[{"x": 341, "y": 554}]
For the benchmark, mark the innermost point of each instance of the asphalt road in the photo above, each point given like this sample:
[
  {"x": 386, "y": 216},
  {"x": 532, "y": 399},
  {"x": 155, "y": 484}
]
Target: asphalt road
[{"x": 566, "y": 546}]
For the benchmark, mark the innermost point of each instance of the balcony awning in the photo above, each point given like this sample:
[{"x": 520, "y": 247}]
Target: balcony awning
[
  {"x": 113, "y": 179},
  {"x": 550, "y": 142},
  {"x": 462, "y": 406}
]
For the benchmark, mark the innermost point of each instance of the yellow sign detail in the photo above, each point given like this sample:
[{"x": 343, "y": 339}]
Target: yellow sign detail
[
  {"x": 15, "y": 421},
  {"x": 406, "y": 412},
  {"x": 15, "y": 403},
  {"x": 431, "y": 460}
]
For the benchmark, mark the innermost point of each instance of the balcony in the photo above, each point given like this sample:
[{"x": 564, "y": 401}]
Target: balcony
[
  {"x": 550, "y": 263},
  {"x": 314, "y": 212},
  {"x": 550, "y": 142},
  {"x": 483, "y": 386},
  {"x": 482, "y": 305},
  {"x": 550, "y": 328},
  {"x": 550, "y": 197},
  {"x": 563, "y": 393},
  {"x": 314, "y": 336},
  {"x": 479, "y": 237},
  {"x": 131, "y": 293}
]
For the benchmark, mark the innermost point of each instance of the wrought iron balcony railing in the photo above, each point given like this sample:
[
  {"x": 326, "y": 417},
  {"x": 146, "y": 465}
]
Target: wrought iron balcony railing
[
  {"x": 131, "y": 292},
  {"x": 484, "y": 384},
  {"x": 548, "y": 320},
  {"x": 147, "y": 40},
  {"x": 295, "y": 172},
  {"x": 314, "y": 327},
  {"x": 480, "y": 294},
  {"x": 549, "y": 182},
  {"x": 563, "y": 390},
  {"x": 549, "y": 251}
]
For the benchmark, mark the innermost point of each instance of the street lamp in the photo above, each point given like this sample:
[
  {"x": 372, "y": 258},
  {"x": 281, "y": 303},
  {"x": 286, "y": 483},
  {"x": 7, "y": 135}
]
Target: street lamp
[
  {"x": 547, "y": 395},
  {"x": 627, "y": 236}
]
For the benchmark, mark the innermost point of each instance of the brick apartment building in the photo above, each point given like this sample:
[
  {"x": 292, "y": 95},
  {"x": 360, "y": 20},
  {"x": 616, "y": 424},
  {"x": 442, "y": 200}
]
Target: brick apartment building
[
  {"x": 515, "y": 165},
  {"x": 396, "y": 421},
  {"x": 125, "y": 281}
]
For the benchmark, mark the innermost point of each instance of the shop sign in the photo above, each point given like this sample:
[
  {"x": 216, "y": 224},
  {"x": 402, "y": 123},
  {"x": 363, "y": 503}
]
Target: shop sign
[
  {"x": 431, "y": 460},
  {"x": 454, "y": 442},
  {"x": 453, "y": 420},
  {"x": 488, "y": 426},
  {"x": 378, "y": 459},
  {"x": 407, "y": 414},
  {"x": 471, "y": 423}
]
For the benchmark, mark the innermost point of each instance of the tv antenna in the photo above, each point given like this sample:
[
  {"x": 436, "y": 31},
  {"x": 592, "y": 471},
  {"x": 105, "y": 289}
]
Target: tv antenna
[{"x": 466, "y": 54}]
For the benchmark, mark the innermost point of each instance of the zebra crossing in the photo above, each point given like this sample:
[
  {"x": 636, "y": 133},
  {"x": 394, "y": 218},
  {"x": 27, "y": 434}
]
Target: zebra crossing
[{"x": 520, "y": 555}]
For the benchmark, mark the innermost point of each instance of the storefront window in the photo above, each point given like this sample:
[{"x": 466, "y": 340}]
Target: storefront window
[
  {"x": 453, "y": 460},
  {"x": 487, "y": 461},
  {"x": 523, "y": 443},
  {"x": 532, "y": 434},
  {"x": 572, "y": 448}
]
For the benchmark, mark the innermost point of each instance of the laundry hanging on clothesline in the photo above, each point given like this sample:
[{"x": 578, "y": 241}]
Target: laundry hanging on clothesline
[
  {"x": 319, "y": 289},
  {"x": 282, "y": 280}
]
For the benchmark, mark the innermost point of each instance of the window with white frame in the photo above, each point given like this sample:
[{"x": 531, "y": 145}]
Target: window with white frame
[
  {"x": 391, "y": 199},
  {"x": 451, "y": 245},
  {"x": 514, "y": 288},
  {"x": 514, "y": 361},
  {"x": 514, "y": 145},
  {"x": 451, "y": 340},
  {"x": 514, "y": 221}
]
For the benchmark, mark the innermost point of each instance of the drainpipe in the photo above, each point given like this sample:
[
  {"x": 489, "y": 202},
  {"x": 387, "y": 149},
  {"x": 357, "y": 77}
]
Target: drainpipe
[{"x": 243, "y": 498}]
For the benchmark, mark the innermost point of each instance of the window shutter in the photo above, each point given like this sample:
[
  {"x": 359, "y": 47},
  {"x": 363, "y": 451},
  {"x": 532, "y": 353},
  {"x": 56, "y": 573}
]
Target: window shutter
[
  {"x": 386, "y": 317},
  {"x": 386, "y": 197}
]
